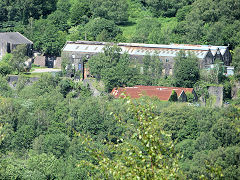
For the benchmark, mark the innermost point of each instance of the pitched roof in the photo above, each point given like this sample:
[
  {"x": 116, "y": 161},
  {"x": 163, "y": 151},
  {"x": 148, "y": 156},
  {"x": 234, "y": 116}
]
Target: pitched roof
[
  {"x": 142, "y": 49},
  {"x": 177, "y": 89},
  {"x": 14, "y": 38},
  {"x": 135, "y": 92}
]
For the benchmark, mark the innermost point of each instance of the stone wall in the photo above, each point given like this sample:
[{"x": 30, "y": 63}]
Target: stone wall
[
  {"x": 13, "y": 79},
  {"x": 217, "y": 93},
  {"x": 58, "y": 63},
  {"x": 40, "y": 61},
  {"x": 235, "y": 89}
]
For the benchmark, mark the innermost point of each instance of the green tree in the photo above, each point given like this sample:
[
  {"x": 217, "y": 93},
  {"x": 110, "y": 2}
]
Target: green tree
[
  {"x": 152, "y": 69},
  {"x": 186, "y": 70},
  {"x": 23, "y": 137},
  {"x": 149, "y": 153},
  {"x": 19, "y": 57},
  {"x": 173, "y": 97},
  {"x": 47, "y": 36},
  {"x": 5, "y": 89},
  {"x": 113, "y": 68},
  {"x": 57, "y": 144},
  {"x": 80, "y": 12},
  {"x": 111, "y": 10},
  {"x": 142, "y": 30},
  {"x": 101, "y": 29},
  {"x": 5, "y": 67},
  {"x": 166, "y": 8},
  {"x": 236, "y": 61}
]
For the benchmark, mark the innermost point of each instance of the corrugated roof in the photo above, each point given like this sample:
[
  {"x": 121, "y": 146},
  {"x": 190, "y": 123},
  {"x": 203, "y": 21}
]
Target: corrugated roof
[
  {"x": 135, "y": 92},
  {"x": 166, "y": 88},
  {"x": 133, "y": 49},
  {"x": 179, "y": 91},
  {"x": 14, "y": 38},
  {"x": 161, "y": 92}
]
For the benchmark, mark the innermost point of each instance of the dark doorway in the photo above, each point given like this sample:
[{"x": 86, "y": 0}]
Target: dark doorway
[{"x": 8, "y": 48}]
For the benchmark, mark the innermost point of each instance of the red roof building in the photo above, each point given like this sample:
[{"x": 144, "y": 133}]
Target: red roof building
[
  {"x": 178, "y": 90},
  {"x": 162, "y": 93}
]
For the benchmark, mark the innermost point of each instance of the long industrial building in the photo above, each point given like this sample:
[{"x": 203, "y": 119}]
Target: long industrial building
[{"x": 207, "y": 54}]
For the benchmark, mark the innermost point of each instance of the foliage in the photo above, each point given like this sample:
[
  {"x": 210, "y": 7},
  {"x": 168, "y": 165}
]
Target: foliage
[
  {"x": 44, "y": 132},
  {"x": 152, "y": 70},
  {"x": 80, "y": 12},
  {"x": 142, "y": 33},
  {"x": 101, "y": 29},
  {"x": 18, "y": 58},
  {"x": 5, "y": 89},
  {"x": 43, "y": 124},
  {"x": 110, "y": 9},
  {"x": 46, "y": 34},
  {"x": 167, "y": 81},
  {"x": 173, "y": 97},
  {"x": 113, "y": 68},
  {"x": 149, "y": 154},
  {"x": 166, "y": 8},
  {"x": 66, "y": 85},
  {"x": 186, "y": 71},
  {"x": 57, "y": 144},
  {"x": 5, "y": 67},
  {"x": 206, "y": 25},
  {"x": 23, "y": 10},
  {"x": 236, "y": 61},
  {"x": 190, "y": 97}
]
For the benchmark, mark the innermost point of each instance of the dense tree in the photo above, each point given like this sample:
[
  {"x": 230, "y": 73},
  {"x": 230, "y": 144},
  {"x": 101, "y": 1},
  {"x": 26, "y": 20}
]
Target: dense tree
[
  {"x": 101, "y": 29},
  {"x": 80, "y": 12},
  {"x": 142, "y": 33},
  {"x": 44, "y": 125},
  {"x": 19, "y": 58},
  {"x": 110, "y": 9},
  {"x": 148, "y": 153},
  {"x": 152, "y": 69},
  {"x": 46, "y": 36},
  {"x": 236, "y": 61},
  {"x": 5, "y": 89},
  {"x": 113, "y": 68},
  {"x": 5, "y": 67},
  {"x": 186, "y": 70},
  {"x": 165, "y": 8},
  {"x": 24, "y": 9},
  {"x": 211, "y": 22}
]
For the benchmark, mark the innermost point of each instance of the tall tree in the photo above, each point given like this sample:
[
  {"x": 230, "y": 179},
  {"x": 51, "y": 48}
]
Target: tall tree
[
  {"x": 113, "y": 68},
  {"x": 186, "y": 70},
  {"x": 110, "y": 9},
  {"x": 236, "y": 61},
  {"x": 19, "y": 57},
  {"x": 152, "y": 69}
]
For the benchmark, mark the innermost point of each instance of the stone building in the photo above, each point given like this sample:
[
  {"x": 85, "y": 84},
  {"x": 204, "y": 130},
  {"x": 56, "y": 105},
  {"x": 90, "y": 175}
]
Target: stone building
[
  {"x": 78, "y": 52},
  {"x": 9, "y": 41}
]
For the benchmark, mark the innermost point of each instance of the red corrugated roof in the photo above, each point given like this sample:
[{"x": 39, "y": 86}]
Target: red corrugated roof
[
  {"x": 161, "y": 92},
  {"x": 136, "y": 92},
  {"x": 166, "y": 88}
]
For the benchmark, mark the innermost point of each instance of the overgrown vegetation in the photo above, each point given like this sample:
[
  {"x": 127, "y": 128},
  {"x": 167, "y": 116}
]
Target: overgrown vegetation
[
  {"x": 50, "y": 124},
  {"x": 55, "y": 129}
]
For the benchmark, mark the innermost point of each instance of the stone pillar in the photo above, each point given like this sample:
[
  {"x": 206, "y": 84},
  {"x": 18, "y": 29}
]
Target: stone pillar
[{"x": 217, "y": 93}]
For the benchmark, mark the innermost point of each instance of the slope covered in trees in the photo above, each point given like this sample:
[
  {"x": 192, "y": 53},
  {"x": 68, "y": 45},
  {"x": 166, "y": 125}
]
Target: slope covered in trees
[
  {"x": 50, "y": 23},
  {"x": 55, "y": 129}
]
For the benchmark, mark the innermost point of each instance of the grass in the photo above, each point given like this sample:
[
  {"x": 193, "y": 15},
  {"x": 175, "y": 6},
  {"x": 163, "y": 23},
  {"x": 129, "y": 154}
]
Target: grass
[{"x": 129, "y": 29}]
